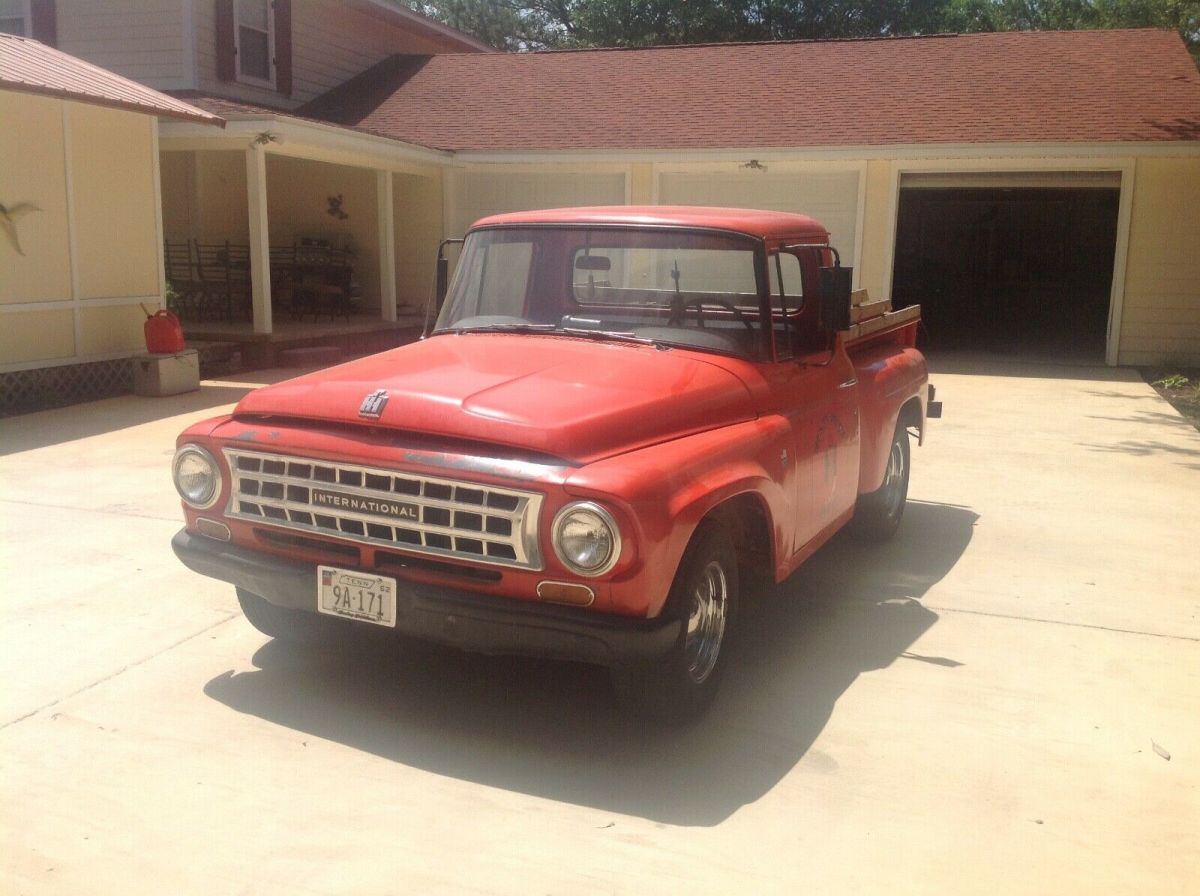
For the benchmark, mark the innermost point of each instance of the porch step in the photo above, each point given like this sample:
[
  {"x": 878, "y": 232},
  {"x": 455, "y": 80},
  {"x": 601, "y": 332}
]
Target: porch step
[
  {"x": 309, "y": 356},
  {"x": 217, "y": 358}
]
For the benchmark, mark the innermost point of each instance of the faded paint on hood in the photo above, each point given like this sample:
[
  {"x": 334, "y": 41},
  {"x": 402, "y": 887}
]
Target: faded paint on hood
[{"x": 578, "y": 400}]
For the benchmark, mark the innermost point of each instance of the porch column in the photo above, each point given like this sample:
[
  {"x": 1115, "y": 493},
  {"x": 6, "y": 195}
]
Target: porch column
[
  {"x": 387, "y": 244},
  {"x": 260, "y": 239}
]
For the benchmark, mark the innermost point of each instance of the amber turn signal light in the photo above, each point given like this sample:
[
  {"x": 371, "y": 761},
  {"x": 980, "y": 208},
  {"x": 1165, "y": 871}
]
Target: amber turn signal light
[
  {"x": 213, "y": 529},
  {"x": 569, "y": 593}
]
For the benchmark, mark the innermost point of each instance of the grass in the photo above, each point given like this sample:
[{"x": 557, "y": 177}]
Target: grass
[{"x": 1179, "y": 386}]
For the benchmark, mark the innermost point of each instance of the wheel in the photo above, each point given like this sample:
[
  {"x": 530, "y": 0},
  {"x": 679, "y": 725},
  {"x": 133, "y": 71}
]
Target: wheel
[
  {"x": 705, "y": 596},
  {"x": 877, "y": 515},
  {"x": 296, "y": 626}
]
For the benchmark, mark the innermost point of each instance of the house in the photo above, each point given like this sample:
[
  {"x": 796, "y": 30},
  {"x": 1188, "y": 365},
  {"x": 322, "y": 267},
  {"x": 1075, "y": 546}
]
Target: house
[
  {"x": 1034, "y": 191},
  {"x": 81, "y": 239}
]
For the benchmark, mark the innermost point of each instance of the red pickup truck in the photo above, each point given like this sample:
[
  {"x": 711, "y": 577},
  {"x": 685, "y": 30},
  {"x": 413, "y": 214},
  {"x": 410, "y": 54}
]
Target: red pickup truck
[{"x": 617, "y": 415}]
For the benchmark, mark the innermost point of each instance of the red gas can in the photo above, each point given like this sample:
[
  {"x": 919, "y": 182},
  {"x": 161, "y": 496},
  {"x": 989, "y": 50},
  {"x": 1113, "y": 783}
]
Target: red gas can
[{"x": 164, "y": 335}]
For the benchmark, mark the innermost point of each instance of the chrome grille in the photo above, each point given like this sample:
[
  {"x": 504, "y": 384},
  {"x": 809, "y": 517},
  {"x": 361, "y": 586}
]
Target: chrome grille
[{"x": 423, "y": 514}]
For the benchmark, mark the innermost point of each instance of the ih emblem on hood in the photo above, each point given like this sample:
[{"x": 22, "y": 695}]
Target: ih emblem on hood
[{"x": 373, "y": 404}]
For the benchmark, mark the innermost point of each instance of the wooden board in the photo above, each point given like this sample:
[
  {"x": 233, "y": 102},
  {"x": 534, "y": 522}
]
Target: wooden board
[
  {"x": 859, "y": 313},
  {"x": 883, "y": 322},
  {"x": 859, "y": 297}
]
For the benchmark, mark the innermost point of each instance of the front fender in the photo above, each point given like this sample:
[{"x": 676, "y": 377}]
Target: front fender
[{"x": 666, "y": 490}]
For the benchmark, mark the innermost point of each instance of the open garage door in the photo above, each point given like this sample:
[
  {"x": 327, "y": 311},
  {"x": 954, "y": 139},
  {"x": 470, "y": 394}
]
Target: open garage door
[
  {"x": 1011, "y": 263},
  {"x": 830, "y": 197}
]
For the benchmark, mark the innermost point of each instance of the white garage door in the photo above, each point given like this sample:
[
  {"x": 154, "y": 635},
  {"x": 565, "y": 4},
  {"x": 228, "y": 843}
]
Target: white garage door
[
  {"x": 491, "y": 193},
  {"x": 831, "y": 197}
]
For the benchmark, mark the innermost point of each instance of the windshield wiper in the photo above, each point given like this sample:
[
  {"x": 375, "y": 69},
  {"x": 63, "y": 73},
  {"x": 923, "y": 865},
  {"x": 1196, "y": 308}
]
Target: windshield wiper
[
  {"x": 501, "y": 328},
  {"x": 618, "y": 335}
]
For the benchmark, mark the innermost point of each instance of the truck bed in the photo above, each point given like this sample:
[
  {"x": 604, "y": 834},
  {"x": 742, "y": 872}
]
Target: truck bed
[{"x": 876, "y": 322}]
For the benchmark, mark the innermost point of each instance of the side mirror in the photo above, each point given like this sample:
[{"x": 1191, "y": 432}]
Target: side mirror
[{"x": 835, "y": 298}]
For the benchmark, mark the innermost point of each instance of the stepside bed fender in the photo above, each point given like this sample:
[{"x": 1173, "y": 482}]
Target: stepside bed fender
[{"x": 891, "y": 382}]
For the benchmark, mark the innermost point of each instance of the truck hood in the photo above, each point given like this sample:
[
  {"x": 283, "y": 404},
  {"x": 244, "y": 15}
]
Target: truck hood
[{"x": 578, "y": 400}]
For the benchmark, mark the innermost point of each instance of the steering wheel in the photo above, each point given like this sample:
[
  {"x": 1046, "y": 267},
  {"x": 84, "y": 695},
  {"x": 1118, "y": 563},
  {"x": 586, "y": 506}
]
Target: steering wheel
[{"x": 678, "y": 319}]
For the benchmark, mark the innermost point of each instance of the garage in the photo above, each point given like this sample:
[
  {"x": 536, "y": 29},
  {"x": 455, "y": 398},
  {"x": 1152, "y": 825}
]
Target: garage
[
  {"x": 832, "y": 197},
  {"x": 1018, "y": 264},
  {"x": 483, "y": 193}
]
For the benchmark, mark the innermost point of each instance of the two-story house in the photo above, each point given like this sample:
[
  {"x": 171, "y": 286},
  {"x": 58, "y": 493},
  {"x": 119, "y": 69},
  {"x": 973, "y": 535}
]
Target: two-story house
[{"x": 1042, "y": 180}]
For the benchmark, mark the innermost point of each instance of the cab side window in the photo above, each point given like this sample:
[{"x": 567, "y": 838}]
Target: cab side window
[{"x": 787, "y": 297}]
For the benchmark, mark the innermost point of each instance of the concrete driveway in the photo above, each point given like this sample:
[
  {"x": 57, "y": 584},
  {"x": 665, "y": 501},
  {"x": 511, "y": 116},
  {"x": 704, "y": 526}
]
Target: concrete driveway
[{"x": 1005, "y": 699}]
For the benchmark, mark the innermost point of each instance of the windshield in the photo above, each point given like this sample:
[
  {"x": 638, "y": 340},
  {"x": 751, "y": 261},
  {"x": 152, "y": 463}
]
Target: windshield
[{"x": 692, "y": 289}]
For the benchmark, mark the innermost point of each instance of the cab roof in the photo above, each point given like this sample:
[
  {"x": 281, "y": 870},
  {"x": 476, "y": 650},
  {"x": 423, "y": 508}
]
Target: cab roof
[{"x": 751, "y": 222}]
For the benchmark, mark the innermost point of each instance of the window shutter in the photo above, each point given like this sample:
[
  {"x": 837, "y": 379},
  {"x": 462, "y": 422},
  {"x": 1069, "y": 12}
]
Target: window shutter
[
  {"x": 226, "y": 49},
  {"x": 44, "y": 21},
  {"x": 283, "y": 46}
]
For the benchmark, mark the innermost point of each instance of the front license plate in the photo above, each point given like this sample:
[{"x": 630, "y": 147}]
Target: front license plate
[{"x": 356, "y": 595}]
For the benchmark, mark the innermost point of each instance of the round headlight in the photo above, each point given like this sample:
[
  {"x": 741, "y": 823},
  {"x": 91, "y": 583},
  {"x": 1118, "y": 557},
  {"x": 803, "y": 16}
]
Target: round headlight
[
  {"x": 586, "y": 539},
  {"x": 197, "y": 476}
]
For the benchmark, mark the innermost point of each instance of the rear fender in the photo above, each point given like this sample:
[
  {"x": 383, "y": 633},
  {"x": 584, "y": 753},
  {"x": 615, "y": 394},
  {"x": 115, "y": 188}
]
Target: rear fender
[{"x": 891, "y": 389}]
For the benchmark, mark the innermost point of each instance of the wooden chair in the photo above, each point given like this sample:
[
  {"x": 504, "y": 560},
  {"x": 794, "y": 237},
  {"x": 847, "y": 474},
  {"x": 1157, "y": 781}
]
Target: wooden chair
[
  {"x": 283, "y": 276},
  {"x": 322, "y": 284},
  {"x": 225, "y": 274}
]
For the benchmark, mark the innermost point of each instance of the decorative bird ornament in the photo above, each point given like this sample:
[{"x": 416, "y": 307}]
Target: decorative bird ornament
[{"x": 9, "y": 216}]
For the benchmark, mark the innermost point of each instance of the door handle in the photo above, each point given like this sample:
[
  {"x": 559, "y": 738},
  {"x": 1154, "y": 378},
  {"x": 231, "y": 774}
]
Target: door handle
[{"x": 853, "y": 381}]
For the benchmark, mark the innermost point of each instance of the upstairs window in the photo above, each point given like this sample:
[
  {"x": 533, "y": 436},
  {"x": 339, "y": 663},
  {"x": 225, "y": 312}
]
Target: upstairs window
[
  {"x": 15, "y": 17},
  {"x": 255, "y": 42}
]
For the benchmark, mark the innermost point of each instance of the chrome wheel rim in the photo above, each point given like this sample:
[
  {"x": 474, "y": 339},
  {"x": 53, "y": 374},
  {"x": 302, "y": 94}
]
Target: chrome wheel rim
[
  {"x": 894, "y": 480},
  {"x": 706, "y": 622}
]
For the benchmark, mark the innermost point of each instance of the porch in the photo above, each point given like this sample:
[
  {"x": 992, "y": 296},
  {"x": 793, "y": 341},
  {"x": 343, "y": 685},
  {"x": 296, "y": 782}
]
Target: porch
[
  {"x": 281, "y": 232},
  {"x": 227, "y": 347}
]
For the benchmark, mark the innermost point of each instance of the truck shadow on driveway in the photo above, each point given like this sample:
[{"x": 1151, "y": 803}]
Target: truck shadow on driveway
[{"x": 552, "y": 729}]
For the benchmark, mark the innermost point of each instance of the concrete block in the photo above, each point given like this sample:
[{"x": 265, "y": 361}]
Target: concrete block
[{"x": 166, "y": 374}]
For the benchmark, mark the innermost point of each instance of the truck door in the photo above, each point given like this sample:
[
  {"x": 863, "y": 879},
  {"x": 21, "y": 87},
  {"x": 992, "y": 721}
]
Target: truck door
[{"x": 815, "y": 388}]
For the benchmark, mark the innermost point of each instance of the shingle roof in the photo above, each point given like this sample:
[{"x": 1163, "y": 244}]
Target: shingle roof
[
  {"x": 1017, "y": 87},
  {"x": 32, "y": 67}
]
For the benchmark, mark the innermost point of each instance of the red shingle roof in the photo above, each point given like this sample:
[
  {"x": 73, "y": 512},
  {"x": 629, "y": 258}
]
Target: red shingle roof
[
  {"x": 32, "y": 67},
  {"x": 1017, "y": 87}
]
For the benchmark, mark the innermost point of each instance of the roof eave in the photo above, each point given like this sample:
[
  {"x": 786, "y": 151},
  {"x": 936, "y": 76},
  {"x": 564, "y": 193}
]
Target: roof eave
[{"x": 196, "y": 116}]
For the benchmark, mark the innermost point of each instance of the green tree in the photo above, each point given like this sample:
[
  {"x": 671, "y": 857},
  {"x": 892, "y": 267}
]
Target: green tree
[{"x": 516, "y": 25}]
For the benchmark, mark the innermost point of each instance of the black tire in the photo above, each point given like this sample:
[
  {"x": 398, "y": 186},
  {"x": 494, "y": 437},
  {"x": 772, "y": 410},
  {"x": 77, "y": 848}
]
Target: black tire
[
  {"x": 293, "y": 626},
  {"x": 705, "y": 596},
  {"x": 877, "y": 515}
]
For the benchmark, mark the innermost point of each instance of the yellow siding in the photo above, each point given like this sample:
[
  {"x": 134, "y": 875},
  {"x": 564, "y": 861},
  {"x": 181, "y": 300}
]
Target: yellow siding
[
  {"x": 641, "y": 184},
  {"x": 32, "y": 170},
  {"x": 112, "y": 330},
  {"x": 876, "y": 262},
  {"x": 112, "y": 187},
  {"x": 36, "y": 336},
  {"x": 417, "y": 203},
  {"x": 298, "y": 194},
  {"x": 830, "y": 195},
  {"x": 177, "y": 170},
  {"x": 1160, "y": 322},
  {"x": 493, "y": 189},
  {"x": 220, "y": 197}
]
